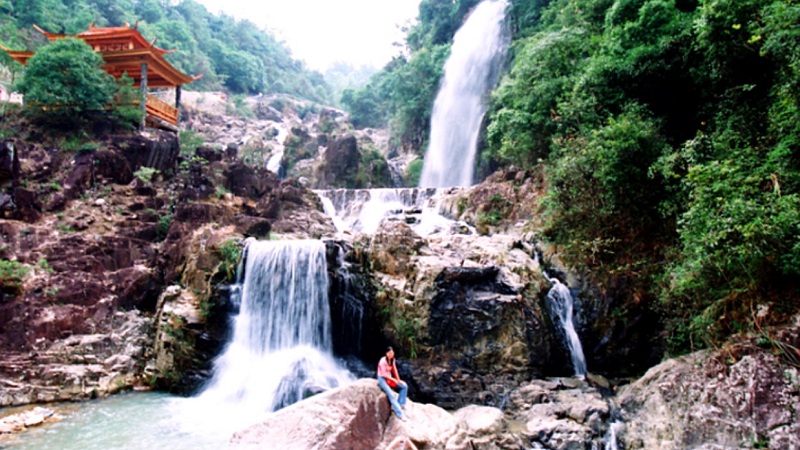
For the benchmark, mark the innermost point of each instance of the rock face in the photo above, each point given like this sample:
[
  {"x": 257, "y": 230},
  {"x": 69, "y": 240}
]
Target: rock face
[
  {"x": 313, "y": 144},
  {"x": 88, "y": 247},
  {"x": 466, "y": 306},
  {"x": 740, "y": 397},
  {"x": 358, "y": 417},
  {"x": 79, "y": 367}
]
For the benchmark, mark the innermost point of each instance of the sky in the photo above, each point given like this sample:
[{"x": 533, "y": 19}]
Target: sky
[{"x": 321, "y": 32}]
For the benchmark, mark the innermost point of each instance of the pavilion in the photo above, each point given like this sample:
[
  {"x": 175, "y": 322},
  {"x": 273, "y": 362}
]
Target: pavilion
[{"x": 126, "y": 51}]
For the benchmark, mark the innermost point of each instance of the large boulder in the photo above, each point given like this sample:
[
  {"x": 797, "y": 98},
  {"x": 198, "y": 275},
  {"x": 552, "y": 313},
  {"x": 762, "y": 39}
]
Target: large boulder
[
  {"x": 738, "y": 397},
  {"x": 340, "y": 163},
  {"x": 358, "y": 416}
]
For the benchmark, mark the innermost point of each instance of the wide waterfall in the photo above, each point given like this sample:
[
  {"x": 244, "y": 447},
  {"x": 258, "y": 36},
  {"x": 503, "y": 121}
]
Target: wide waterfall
[
  {"x": 469, "y": 73},
  {"x": 560, "y": 302},
  {"x": 363, "y": 210},
  {"x": 281, "y": 350}
]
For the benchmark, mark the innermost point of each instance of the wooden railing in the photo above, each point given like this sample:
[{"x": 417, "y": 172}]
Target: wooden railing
[{"x": 160, "y": 109}]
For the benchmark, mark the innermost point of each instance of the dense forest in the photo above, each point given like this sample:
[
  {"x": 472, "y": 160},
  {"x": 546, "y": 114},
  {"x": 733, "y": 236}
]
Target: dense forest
[
  {"x": 233, "y": 55},
  {"x": 667, "y": 132}
]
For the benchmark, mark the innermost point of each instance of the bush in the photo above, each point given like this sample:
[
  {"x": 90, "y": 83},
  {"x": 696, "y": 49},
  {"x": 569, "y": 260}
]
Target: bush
[
  {"x": 11, "y": 275},
  {"x": 602, "y": 198},
  {"x": 230, "y": 252},
  {"x": 67, "y": 77},
  {"x": 190, "y": 140},
  {"x": 146, "y": 174},
  {"x": 414, "y": 172}
]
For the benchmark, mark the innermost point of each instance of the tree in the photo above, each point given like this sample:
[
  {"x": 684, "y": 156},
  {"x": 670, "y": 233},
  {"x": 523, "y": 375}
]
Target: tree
[{"x": 65, "y": 77}]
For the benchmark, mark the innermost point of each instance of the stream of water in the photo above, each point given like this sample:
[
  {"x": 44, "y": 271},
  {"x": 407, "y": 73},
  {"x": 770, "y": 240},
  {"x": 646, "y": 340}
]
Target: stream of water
[
  {"x": 469, "y": 74},
  {"x": 280, "y": 352},
  {"x": 561, "y": 303}
]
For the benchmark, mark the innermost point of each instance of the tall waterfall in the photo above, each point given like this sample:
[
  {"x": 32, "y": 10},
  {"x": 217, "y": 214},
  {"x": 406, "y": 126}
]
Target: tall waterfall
[
  {"x": 281, "y": 348},
  {"x": 469, "y": 73},
  {"x": 560, "y": 302}
]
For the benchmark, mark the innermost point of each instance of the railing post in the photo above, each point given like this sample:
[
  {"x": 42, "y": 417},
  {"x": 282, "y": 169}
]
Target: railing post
[
  {"x": 144, "y": 94},
  {"x": 178, "y": 102}
]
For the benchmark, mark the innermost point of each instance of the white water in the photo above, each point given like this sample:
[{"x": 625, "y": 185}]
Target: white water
[
  {"x": 469, "y": 73},
  {"x": 280, "y": 352},
  {"x": 274, "y": 162},
  {"x": 611, "y": 441},
  {"x": 281, "y": 346},
  {"x": 560, "y": 302},
  {"x": 363, "y": 210}
]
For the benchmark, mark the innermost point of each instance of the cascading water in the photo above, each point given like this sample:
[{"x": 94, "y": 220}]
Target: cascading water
[
  {"x": 363, "y": 210},
  {"x": 281, "y": 349},
  {"x": 274, "y": 161},
  {"x": 560, "y": 302},
  {"x": 469, "y": 73}
]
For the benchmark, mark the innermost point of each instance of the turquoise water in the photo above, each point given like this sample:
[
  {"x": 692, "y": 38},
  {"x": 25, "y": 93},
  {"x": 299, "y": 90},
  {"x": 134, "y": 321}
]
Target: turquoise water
[{"x": 133, "y": 421}]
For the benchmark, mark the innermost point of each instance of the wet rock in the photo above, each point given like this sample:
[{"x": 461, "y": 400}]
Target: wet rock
[
  {"x": 16, "y": 423},
  {"x": 250, "y": 226},
  {"x": 245, "y": 181},
  {"x": 340, "y": 163},
  {"x": 157, "y": 149},
  {"x": 9, "y": 161},
  {"x": 554, "y": 417}
]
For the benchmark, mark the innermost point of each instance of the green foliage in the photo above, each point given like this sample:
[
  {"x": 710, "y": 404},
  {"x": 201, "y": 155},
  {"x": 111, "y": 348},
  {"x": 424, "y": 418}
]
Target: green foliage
[
  {"x": 230, "y": 252},
  {"x": 238, "y": 106},
  {"x": 163, "y": 226},
  {"x": 66, "y": 77},
  {"x": 12, "y": 273},
  {"x": 414, "y": 172},
  {"x": 668, "y": 133},
  {"x": 189, "y": 140},
  {"x": 406, "y": 331},
  {"x": 601, "y": 194},
  {"x": 42, "y": 264},
  {"x": 235, "y": 55},
  {"x": 524, "y": 116},
  {"x": 126, "y": 102},
  {"x": 146, "y": 174},
  {"x": 373, "y": 170}
]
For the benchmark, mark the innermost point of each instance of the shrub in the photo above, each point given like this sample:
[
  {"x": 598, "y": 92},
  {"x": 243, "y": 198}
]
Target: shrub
[
  {"x": 163, "y": 225},
  {"x": 11, "y": 275},
  {"x": 146, "y": 174},
  {"x": 414, "y": 172},
  {"x": 66, "y": 77},
  {"x": 230, "y": 252},
  {"x": 190, "y": 140}
]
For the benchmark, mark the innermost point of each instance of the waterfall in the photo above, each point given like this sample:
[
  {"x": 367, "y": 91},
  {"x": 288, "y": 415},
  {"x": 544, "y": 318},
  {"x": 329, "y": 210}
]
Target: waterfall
[
  {"x": 274, "y": 161},
  {"x": 469, "y": 74},
  {"x": 281, "y": 348},
  {"x": 560, "y": 302},
  {"x": 363, "y": 210}
]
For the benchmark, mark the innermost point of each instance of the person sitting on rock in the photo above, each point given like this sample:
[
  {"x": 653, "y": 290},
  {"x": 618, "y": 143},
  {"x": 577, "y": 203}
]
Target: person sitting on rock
[{"x": 389, "y": 379}]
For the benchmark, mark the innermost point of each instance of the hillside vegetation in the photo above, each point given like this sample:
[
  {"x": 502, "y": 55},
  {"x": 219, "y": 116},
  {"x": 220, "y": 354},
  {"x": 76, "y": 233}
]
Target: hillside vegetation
[
  {"x": 668, "y": 135},
  {"x": 233, "y": 55}
]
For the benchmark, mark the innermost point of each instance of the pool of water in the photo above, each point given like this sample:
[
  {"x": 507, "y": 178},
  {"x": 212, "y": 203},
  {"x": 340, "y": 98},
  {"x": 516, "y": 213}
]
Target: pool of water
[{"x": 134, "y": 421}]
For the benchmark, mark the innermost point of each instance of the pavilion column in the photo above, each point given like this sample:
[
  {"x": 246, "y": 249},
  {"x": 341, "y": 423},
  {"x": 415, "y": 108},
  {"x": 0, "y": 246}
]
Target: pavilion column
[
  {"x": 178, "y": 101},
  {"x": 144, "y": 93}
]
